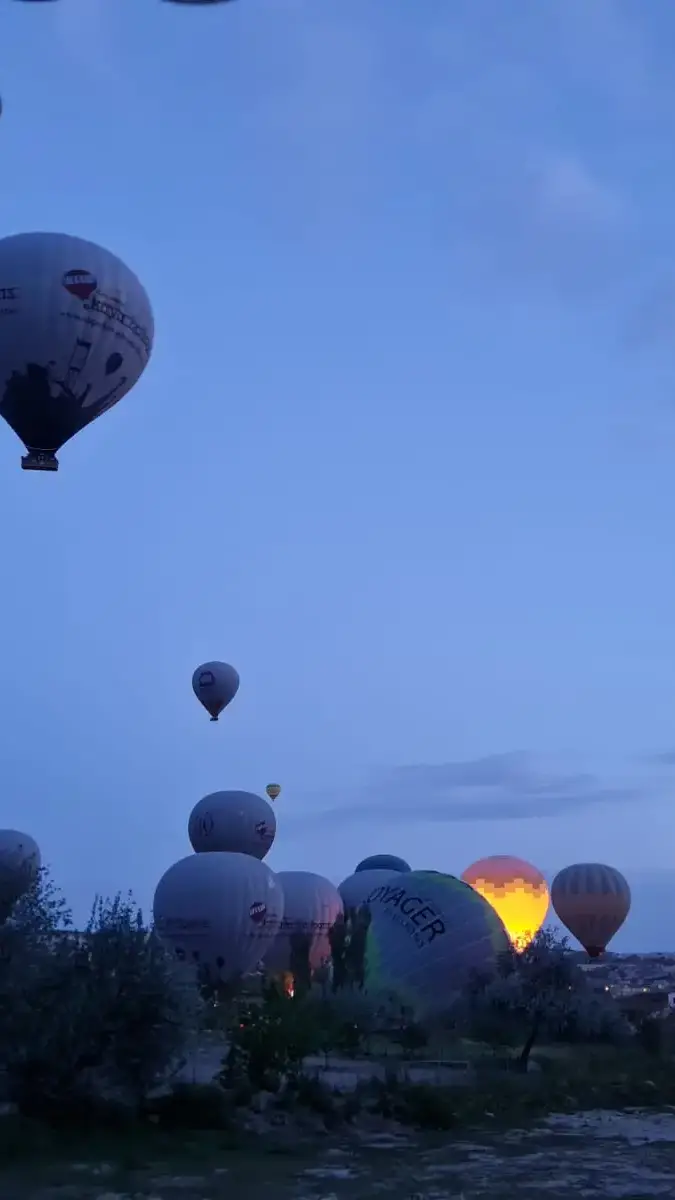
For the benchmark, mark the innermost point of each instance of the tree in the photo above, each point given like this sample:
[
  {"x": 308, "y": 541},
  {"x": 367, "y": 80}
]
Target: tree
[
  {"x": 86, "y": 1015},
  {"x": 539, "y": 991}
]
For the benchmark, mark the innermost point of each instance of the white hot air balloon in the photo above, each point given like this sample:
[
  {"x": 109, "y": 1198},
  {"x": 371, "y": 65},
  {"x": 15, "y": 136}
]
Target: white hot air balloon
[
  {"x": 76, "y": 333},
  {"x": 239, "y": 822},
  {"x": 312, "y": 905},
  {"x": 356, "y": 888},
  {"x": 219, "y": 912},
  {"x": 215, "y": 684},
  {"x": 19, "y": 866}
]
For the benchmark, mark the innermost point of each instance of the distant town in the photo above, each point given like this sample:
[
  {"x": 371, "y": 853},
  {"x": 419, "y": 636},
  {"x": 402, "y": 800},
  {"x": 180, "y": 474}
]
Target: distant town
[{"x": 642, "y": 983}]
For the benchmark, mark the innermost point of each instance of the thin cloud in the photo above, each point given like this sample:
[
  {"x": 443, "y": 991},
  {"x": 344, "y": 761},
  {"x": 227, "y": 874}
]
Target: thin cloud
[{"x": 496, "y": 787}]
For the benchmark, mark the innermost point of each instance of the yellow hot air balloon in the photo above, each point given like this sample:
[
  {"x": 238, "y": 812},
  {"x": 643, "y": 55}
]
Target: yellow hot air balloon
[
  {"x": 273, "y": 790},
  {"x": 516, "y": 890}
]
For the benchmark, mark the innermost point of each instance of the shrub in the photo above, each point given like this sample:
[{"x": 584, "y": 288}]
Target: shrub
[{"x": 85, "y": 1019}]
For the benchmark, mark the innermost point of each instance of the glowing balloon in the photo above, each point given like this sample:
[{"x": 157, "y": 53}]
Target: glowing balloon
[
  {"x": 273, "y": 790},
  {"x": 76, "y": 333},
  {"x": 19, "y": 866},
  {"x": 219, "y": 911},
  {"x": 382, "y": 862},
  {"x": 312, "y": 905},
  {"x": 427, "y": 934},
  {"x": 592, "y": 900},
  {"x": 355, "y": 888},
  {"x": 516, "y": 890},
  {"x": 215, "y": 684},
  {"x": 239, "y": 822}
]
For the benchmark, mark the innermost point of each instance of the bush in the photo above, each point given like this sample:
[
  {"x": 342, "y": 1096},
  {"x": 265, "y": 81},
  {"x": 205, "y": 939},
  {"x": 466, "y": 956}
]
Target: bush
[
  {"x": 192, "y": 1106},
  {"x": 85, "y": 1019},
  {"x": 418, "y": 1104}
]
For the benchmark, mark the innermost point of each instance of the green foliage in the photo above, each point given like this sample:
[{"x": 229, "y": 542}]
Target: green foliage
[
  {"x": 84, "y": 1016},
  {"x": 538, "y": 992},
  {"x": 270, "y": 1039}
]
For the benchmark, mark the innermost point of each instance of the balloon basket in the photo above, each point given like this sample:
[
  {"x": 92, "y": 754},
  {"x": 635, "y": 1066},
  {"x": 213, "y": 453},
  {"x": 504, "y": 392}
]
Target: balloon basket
[{"x": 40, "y": 460}]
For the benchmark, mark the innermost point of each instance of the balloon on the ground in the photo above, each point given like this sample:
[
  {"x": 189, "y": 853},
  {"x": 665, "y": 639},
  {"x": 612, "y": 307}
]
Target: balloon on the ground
[
  {"x": 219, "y": 912},
  {"x": 237, "y": 822},
  {"x": 312, "y": 905},
  {"x": 273, "y": 790},
  {"x": 427, "y": 934},
  {"x": 215, "y": 684},
  {"x": 19, "y": 866},
  {"x": 592, "y": 900},
  {"x": 355, "y": 888},
  {"x": 76, "y": 333},
  {"x": 382, "y": 862},
  {"x": 516, "y": 890}
]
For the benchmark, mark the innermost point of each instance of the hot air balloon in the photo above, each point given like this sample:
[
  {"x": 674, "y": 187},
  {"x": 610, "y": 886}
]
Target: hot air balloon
[
  {"x": 382, "y": 862},
  {"x": 239, "y": 822},
  {"x": 312, "y": 905},
  {"x": 355, "y": 888},
  {"x": 592, "y": 901},
  {"x": 516, "y": 890},
  {"x": 273, "y": 790},
  {"x": 427, "y": 934},
  {"x": 215, "y": 684},
  {"x": 76, "y": 333},
  {"x": 19, "y": 867},
  {"x": 219, "y": 911}
]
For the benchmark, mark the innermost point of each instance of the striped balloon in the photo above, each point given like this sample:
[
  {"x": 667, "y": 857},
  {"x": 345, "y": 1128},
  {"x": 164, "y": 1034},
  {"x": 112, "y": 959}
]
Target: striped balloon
[{"x": 592, "y": 900}]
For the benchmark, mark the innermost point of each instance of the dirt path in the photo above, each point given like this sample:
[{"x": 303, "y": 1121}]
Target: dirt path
[{"x": 611, "y": 1155}]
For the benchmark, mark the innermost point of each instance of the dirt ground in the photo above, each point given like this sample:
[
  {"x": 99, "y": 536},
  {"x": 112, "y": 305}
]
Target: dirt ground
[{"x": 626, "y": 1156}]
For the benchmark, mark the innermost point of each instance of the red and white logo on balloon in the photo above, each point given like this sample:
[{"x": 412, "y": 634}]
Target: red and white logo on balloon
[
  {"x": 257, "y": 912},
  {"x": 80, "y": 283}
]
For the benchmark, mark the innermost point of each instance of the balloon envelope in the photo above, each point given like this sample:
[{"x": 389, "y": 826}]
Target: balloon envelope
[
  {"x": 19, "y": 866},
  {"x": 215, "y": 684},
  {"x": 355, "y": 888},
  {"x": 76, "y": 333},
  {"x": 237, "y": 822},
  {"x": 427, "y": 933},
  {"x": 516, "y": 890},
  {"x": 312, "y": 905},
  {"x": 592, "y": 900},
  {"x": 219, "y": 911},
  {"x": 382, "y": 862}
]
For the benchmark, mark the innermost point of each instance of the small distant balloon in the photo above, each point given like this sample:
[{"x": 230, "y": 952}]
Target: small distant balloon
[
  {"x": 592, "y": 900},
  {"x": 273, "y": 790},
  {"x": 215, "y": 684},
  {"x": 382, "y": 862},
  {"x": 516, "y": 890},
  {"x": 238, "y": 822}
]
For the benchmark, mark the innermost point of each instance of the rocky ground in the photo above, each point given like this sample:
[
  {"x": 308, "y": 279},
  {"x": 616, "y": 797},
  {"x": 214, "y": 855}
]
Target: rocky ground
[{"x": 626, "y": 1156}]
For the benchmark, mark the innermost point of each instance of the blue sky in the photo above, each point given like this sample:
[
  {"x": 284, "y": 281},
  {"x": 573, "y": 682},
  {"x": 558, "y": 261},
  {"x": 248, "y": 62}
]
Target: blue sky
[{"x": 404, "y": 452}]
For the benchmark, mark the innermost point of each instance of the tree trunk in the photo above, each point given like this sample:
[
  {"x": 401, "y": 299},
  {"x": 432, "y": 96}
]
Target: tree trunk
[{"x": 524, "y": 1056}]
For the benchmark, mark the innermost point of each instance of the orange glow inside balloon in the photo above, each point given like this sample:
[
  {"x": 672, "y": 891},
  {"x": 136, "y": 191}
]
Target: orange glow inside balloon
[{"x": 516, "y": 890}]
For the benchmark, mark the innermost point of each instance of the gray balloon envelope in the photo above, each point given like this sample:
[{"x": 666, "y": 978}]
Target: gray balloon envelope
[
  {"x": 383, "y": 862},
  {"x": 427, "y": 933},
  {"x": 239, "y": 822},
  {"x": 215, "y": 684},
  {"x": 312, "y": 905},
  {"x": 19, "y": 866},
  {"x": 357, "y": 887},
  {"x": 219, "y": 911}
]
